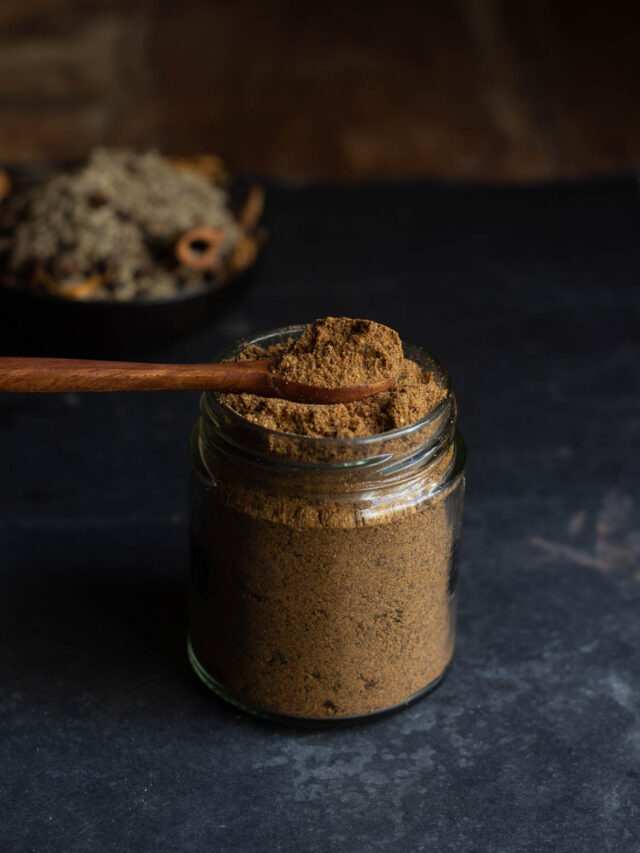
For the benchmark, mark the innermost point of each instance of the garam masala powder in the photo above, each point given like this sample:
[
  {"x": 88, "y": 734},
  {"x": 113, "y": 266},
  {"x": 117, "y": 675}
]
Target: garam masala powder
[{"x": 324, "y": 537}]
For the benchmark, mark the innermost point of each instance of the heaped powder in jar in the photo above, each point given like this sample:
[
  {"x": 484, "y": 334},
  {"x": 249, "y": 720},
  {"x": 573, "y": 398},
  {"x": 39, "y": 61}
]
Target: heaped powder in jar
[
  {"x": 324, "y": 547},
  {"x": 340, "y": 352}
]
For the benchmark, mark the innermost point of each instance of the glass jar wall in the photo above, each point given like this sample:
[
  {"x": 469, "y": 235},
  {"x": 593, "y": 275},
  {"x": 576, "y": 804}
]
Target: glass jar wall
[{"x": 323, "y": 571}]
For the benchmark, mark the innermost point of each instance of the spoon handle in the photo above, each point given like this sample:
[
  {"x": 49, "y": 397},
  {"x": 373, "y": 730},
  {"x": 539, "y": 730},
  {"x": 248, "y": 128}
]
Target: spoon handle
[{"x": 70, "y": 374}]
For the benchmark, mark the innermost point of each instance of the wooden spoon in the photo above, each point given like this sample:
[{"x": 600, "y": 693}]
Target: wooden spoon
[{"x": 251, "y": 377}]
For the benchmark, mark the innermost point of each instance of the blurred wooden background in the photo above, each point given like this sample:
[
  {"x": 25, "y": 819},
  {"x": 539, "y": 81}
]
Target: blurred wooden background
[{"x": 459, "y": 88}]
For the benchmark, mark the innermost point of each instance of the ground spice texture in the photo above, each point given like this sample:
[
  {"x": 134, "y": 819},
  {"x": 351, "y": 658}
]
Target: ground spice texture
[
  {"x": 340, "y": 352},
  {"x": 321, "y": 595}
]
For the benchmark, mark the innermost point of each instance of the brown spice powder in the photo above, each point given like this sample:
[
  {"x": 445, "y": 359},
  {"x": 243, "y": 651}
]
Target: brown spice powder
[
  {"x": 323, "y": 621},
  {"x": 327, "y": 354},
  {"x": 338, "y": 352},
  {"x": 318, "y": 593}
]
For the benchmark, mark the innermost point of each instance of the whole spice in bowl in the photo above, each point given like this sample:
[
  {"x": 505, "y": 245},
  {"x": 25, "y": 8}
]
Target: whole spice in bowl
[
  {"x": 324, "y": 537},
  {"x": 127, "y": 226}
]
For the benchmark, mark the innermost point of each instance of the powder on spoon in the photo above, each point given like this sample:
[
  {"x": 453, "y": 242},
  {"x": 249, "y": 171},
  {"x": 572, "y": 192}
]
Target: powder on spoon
[
  {"x": 341, "y": 352},
  {"x": 338, "y": 353}
]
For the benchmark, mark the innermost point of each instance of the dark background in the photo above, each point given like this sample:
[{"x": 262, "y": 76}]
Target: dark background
[
  {"x": 108, "y": 742},
  {"x": 457, "y": 88},
  {"x": 529, "y": 295}
]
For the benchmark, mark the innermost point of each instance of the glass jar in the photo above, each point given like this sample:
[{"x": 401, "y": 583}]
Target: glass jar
[{"x": 323, "y": 571}]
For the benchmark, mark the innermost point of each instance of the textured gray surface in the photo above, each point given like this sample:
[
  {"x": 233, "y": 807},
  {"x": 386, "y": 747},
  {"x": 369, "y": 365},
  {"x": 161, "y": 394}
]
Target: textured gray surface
[{"x": 533, "y": 742}]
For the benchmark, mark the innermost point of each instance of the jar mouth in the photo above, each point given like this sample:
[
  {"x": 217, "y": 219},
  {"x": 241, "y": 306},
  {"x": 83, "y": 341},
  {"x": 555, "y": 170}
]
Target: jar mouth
[
  {"x": 320, "y": 449},
  {"x": 276, "y": 335}
]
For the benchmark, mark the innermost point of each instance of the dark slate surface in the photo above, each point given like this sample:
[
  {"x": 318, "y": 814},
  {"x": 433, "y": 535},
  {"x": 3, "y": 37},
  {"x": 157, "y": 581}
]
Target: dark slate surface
[{"x": 531, "y": 297}]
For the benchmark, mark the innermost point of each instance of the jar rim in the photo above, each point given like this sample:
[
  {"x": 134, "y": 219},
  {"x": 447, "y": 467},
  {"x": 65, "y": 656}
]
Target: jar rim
[{"x": 211, "y": 402}]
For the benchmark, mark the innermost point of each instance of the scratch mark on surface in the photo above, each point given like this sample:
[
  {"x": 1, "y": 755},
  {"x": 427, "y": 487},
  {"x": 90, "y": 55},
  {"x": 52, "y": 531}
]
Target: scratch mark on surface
[
  {"x": 620, "y": 690},
  {"x": 617, "y": 542},
  {"x": 574, "y": 555},
  {"x": 577, "y": 522}
]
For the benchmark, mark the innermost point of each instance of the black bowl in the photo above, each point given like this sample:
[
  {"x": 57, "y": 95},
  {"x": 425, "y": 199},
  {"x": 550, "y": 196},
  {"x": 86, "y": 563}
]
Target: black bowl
[
  {"x": 37, "y": 324},
  {"x": 34, "y": 323}
]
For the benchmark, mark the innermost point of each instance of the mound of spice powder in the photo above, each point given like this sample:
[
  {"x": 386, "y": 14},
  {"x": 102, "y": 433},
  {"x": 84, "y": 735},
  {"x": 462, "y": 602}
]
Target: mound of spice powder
[
  {"x": 327, "y": 591},
  {"x": 341, "y": 352},
  {"x": 338, "y": 352}
]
